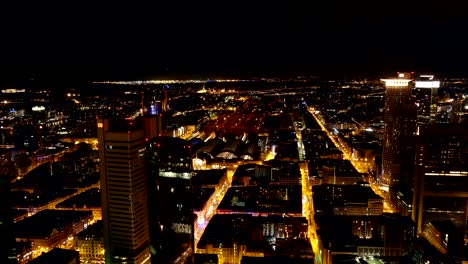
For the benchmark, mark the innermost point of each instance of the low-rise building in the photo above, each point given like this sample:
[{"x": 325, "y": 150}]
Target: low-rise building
[
  {"x": 388, "y": 236},
  {"x": 51, "y": 228},
  {"x": 90, "y": 244},
  {"x": 330, "y": 199},
  {"x": 58, "y": 256},
  {"x": 233, "y": 237}
]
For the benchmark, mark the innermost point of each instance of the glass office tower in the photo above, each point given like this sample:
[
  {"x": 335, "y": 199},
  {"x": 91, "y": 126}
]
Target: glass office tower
[{"x": 170, "y": 200}]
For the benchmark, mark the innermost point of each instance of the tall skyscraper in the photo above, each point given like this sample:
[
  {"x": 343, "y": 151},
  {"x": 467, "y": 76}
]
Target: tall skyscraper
[
  {"x": 122, "y": 156},
  {"x": 170, "y": 200},
  {"x": 425, "y": 97},
  {"x": 400, "y": 128},
  {"x": 441, "y": 182}
]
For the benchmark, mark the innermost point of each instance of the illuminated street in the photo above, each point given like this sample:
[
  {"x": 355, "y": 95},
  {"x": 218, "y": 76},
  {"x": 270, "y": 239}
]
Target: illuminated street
[
  {"x": 208, "y": 131},
  {"x": 308, "y": 211},
  {"x": 361, "y": 166},
  {"x": 307, "y": 200},
  {"x": 52, "y": 204},
  {"x": 211, "y": 206}
]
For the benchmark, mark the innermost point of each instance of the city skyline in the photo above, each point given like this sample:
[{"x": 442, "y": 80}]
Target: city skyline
[
  {"x": 233, "y": 171},
  {"x": 233, "y": 132}
]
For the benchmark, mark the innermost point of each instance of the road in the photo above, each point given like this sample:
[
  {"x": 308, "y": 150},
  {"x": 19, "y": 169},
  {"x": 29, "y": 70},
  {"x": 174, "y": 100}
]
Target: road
[
  {"x": 211, "y": 206},
  {"x": 360, "y": 166},
  {"x": 307, "y": 198},
  {"x": 308, "y": 211},
  {"x": 52, "y": 204}
]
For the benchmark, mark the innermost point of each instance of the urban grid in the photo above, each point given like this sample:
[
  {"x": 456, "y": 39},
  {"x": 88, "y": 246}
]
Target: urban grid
[
  {"x": 234, "y": 132},
  {"x": 237, "y": 171}
]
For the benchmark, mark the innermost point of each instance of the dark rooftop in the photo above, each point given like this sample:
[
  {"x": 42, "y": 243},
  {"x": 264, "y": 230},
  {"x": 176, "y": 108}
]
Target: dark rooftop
[
  {"x": 41, "y": 224},
  {"x": 207, "y": 177},
  {"x": 205, "y": 258},
  {"x": 93, "y": 231},
  {"x": 58, "y": 256},
  {"x": 348, "y": 193},
  {"x": 89, "y": 199},
  {"x": 271, "y": 199},
  {"x": 201, "y": 196},
  {"x": 224, "y": 230}
]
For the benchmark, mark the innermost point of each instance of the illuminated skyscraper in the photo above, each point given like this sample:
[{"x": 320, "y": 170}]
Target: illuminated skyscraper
[
  {"x": 170, "y": 200},
  {"x": 400, "y": 128},
  {"x": 425, "y": 95},
  {"x": 122, "y": 156}
]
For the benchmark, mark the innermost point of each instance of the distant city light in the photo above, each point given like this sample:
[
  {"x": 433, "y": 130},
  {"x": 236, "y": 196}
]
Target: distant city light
[
  {"x": 38, "y": 108},
  {"x": 167, "y": 81},
  {"x": 13, "y": 91}
]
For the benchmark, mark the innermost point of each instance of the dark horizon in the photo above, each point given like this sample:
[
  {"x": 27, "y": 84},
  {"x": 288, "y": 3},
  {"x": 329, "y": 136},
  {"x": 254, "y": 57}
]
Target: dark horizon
[
  {"x": 53, "y": 77},
  {"x": 138, "y": 40}
]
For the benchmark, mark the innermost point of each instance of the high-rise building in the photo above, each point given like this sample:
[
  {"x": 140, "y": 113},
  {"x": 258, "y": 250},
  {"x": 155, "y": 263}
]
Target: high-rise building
[
  {"x": 7, "y": 240},
  {"x": 400, "y": 128},
  {"x": 441, "y": 180},
  {"x": 425, "y": 96},
  {"x": 170, "y": 200},
  {"x": 122, "y": 156}
]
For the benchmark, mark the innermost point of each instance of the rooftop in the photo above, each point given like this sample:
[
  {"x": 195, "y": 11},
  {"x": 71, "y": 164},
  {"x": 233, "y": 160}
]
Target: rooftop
[
  {"x": 207, "y": 177},
  {"x": 95, "y": 231},
  {"x": 57, "y": 256},
  {"x": 43, "y": 223},
  {"x": 89, "y": 199}
]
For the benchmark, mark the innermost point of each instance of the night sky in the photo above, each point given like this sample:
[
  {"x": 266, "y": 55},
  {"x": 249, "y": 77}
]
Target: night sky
[{"x": 135, "y": 39}]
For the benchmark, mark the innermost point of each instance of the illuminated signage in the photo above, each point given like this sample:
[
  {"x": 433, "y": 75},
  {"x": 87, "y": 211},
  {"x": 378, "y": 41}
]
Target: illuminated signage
[
  {"x": 427, "y": 84},
  {"x": 396, "y": 82}
]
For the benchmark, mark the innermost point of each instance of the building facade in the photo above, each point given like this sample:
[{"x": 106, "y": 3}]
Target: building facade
[
  {"x": 170, "y": 200},
  {"x": 400, "y": 128},
  {"x": 425, "y": 98},
  {"x": 90, "y": 244},
  {"x": 122, "y": 157},
  {"x": 441, "y": 182}
]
